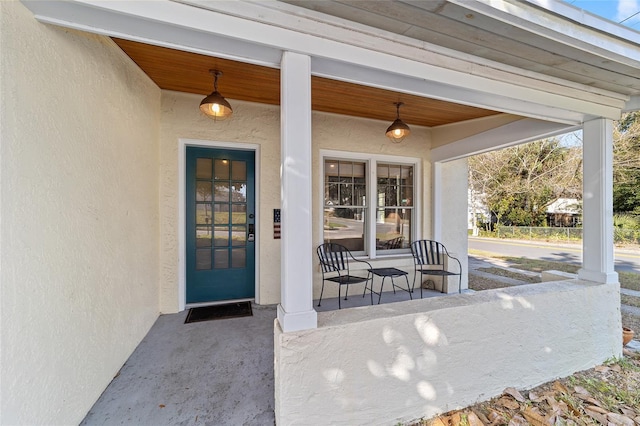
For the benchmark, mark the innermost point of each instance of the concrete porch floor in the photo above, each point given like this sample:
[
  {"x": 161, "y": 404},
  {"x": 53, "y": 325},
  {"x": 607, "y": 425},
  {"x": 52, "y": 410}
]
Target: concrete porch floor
[{"x": 208, "y": 373}]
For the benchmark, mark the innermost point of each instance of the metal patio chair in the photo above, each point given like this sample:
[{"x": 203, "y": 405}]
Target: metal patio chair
[
  {"x": 335, "y": 262},
  {"x": 429, "y": 259},
  {"x": 394, "y": 243}
]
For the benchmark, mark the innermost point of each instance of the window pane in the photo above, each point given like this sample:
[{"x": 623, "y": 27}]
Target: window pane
[
  {"x": 238, "y": 257},
  {"x": 239, "y": 192},
  {"x": 221, "y": 236},
  {"x": 359, "y": 195},
  {"x": 239, "y": 170},
  {"x": 346, "y": 192},
  {"x": 346, "y": 171},
  {"x": 221, "y": 169},
  {"x": 238, "y": 235},
  {"x": 394, "y": 172},
  {"x": 330, "y": 194},
  {"x": 393, "y": 229},
  {"x": 203, "y": 168},
  {"x": 203, "y": 214},
  {"x": 203, "y": 259},
  {"x": 345, "y": 226},
  {"x": 397, "y": 189},
  {"x": 382, "y": 171},
  {"x": 382, "y": 190},
  {"x": 239, "y": 214},
  {"x": 330, "y": 168},
  {"x": 203, "y": 236},
  {"x": 221, "y": 259},
  {"x": 222, "y": 191},
  {"x": 203, "y": 191},
  {"x": 394, "y": 200},
  {"x": 407, "y": 196},
  {"x": 221, "y": 214},
  {"x": 358, "y": 172},
  {"x": 391, "y": 196}
]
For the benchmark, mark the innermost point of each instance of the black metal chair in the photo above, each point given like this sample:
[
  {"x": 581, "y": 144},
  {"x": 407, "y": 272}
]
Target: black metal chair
[
  {"x": 334, "y": 262},
  {"x": 429, "y": 259},
  {"x": 394, "y": 243}
]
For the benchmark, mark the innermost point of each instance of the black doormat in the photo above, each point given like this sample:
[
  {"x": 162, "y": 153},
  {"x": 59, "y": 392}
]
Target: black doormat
[{"x": 216, "y": 312}]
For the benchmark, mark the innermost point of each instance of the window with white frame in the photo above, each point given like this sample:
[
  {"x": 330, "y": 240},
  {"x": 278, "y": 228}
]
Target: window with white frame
[{"x": 385, "y": 226}]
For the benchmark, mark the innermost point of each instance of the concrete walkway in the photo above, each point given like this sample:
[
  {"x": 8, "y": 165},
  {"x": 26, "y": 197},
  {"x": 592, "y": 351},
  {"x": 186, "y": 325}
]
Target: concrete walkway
[{"x": 478, "y": 262}]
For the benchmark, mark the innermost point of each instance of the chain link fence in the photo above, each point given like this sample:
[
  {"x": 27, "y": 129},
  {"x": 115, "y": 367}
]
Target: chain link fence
[{"x": 557, "y": 234}]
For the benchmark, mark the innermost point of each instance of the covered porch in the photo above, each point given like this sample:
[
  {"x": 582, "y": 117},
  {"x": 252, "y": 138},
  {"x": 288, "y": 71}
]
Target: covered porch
[
  {"x": 222, "y": 371},
  {"x": 310, "y": 83}
]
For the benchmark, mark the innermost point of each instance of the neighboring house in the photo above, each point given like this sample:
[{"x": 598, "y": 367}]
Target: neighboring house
[
  {"x": 478, "y": 212},
  {"x": 108, "y": 216},
  {"x": 564, "y": 212}
]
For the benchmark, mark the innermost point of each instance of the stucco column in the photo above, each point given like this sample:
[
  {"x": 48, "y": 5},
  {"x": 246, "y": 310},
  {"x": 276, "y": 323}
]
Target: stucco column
[
  {"x": 597, "y": 199},
  {"x": 436, "y": 201},
  {"x": 295, "y": 311}
]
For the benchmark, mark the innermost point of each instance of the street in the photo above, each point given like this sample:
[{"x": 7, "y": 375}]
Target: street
[{"x": 625, "y": 260}]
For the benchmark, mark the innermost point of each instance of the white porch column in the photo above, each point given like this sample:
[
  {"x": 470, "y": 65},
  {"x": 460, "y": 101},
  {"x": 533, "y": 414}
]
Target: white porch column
[
  {"x": 295, "y": 311},
  {"x": 436, "y": 201},
  {"x": 597, "y": 198}
]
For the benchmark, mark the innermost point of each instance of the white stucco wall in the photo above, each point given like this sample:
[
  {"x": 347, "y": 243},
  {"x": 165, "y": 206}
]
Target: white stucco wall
[
  {"x": 260, "y": 124},
  {"x": 79, "y": 217},
  {"x": 251, "y": 123},
  {"x": 392, "y": 363}
]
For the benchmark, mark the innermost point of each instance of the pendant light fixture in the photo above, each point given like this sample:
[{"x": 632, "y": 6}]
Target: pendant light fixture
[
  {"x": 215, "y": 106},
  {"x": 398, "y": 129}
]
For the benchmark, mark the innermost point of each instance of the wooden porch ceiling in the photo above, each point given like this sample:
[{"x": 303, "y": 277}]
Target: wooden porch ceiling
[{"x": 189, "y": 72}]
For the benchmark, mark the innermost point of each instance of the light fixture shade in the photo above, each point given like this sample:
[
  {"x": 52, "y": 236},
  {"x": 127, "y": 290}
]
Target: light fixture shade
[
  {"x": 215, "y": 106},
  {"x": 398, "y": 131}
]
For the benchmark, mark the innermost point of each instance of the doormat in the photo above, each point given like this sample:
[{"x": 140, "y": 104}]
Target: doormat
[{"x": 216, "y": 312}]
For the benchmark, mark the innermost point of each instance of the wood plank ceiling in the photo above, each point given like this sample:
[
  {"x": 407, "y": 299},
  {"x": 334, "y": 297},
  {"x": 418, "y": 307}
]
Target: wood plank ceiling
[{"x": 189, "y": 72}]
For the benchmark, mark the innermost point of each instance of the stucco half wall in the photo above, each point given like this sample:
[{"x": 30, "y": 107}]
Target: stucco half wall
[{"x": 398, "y": 362}]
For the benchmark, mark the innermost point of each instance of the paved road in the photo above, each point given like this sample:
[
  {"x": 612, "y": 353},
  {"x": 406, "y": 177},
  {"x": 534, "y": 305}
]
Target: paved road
[{"x": 626, "y": 260}]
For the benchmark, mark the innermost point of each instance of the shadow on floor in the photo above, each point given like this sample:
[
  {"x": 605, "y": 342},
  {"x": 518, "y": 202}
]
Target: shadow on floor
[{"x": 355, "y": 299}]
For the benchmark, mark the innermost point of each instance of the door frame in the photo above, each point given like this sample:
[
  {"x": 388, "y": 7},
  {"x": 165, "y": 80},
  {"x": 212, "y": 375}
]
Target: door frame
[{"x": 183, "y": 143}]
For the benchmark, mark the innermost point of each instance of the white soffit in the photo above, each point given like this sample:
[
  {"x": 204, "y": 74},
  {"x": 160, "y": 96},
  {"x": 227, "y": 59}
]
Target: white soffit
[
  {"x": 257, "y": 32},
  {"x": 514, "y": 133},
  {"x": 633, "y": 104},
  {"x": 594, "y": 35},
  {"x": 598, "y": 23},
  {"x": 158, "y": 22}
]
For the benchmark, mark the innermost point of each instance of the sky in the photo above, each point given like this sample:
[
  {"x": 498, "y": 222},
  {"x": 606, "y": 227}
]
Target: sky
[{"x": 614, "y": 10}]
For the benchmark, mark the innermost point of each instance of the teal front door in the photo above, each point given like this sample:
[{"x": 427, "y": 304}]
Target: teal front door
[{"x": 220, "y": 224}]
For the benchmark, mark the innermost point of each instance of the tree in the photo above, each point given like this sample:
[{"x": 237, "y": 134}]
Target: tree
[
  {"x": 518, "y": 183},
  {"x": 626, "y": 164}
]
